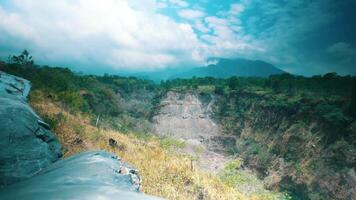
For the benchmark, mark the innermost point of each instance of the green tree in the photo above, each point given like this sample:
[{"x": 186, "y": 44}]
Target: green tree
[
  {"x": 233, "y": 83},
  {"x": 353, "y": 100},
  {"x": 23, "y": 59},
  {"x": 2, "y": 65},
  {"x": 276, "y": 86},
  {"x": 219, "y": 89}
]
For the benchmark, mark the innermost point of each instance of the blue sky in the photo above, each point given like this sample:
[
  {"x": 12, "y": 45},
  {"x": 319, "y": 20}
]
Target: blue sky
[{"x": 299, "y": 36}]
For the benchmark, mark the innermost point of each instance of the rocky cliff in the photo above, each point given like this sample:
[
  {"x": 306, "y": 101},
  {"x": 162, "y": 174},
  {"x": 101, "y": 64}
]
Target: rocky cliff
[
  {"x": 186, "y": 117},
  {"x": 30, "y": 160}
]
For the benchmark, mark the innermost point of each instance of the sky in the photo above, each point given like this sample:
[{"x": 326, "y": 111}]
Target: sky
[{"x": 304, "y": 37}]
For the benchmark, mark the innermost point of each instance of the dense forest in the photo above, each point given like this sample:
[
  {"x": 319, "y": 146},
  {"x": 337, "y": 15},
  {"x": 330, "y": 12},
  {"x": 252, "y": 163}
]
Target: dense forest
[{"x": 298, "y": 133}]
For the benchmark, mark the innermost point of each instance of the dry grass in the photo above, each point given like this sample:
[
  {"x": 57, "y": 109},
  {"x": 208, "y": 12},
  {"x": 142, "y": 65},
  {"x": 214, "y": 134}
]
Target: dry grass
[{"x": 165, "y": 173}]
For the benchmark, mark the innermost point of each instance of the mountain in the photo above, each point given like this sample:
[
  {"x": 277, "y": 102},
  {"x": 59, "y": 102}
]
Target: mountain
[{"x": 223, "y": 68}]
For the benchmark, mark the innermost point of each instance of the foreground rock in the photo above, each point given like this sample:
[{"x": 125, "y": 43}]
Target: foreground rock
[
  {"x": 27, "y": 145},
  {"x": 90, "y": 175}
]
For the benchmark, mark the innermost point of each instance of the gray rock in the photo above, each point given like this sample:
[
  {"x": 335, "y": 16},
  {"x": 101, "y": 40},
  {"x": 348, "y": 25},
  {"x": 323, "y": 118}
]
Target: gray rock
[
  {"x": 13, "y": 86},
  {"x": 90, "y": 175},
  {"x": 27, "y": 145}
]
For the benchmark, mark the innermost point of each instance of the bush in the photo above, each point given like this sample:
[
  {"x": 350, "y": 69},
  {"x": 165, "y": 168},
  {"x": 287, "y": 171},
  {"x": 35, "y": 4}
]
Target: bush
[
  {"x": 334, "y": 118},
  {"x": 219, "y": 89},
  {"x": 73, "y": 100}
]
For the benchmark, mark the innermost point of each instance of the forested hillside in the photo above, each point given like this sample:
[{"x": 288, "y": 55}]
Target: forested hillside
[{"x": 298, "y": 134}]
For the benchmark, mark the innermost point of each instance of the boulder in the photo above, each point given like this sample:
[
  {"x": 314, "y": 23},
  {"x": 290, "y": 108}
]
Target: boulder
[
  {"x": 27, "y": 145},
  {"x": 89, "y": 175}
]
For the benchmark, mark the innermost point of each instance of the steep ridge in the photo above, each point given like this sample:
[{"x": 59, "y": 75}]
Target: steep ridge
[{"x": 29, "y": 148}]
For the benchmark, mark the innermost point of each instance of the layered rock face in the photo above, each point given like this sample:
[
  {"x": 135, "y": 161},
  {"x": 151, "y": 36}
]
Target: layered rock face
[
  {"x": 27, "y": 145},
  {"x": 184, "y": 116},
  {"x": 30, "y": 164}
]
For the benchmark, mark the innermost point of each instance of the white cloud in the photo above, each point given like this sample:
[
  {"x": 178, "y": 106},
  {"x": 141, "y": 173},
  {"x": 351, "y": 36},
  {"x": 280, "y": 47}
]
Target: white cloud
[
  {"x": 125, "y": 33},
  {"x": 236, "y": 9},
  {"x": 341, "y": 49},
  {"x": 162, "y": 5},
  {"x": 200, "y": 26},
  {"x": 180, "y": 3},
  {"x": 190, "y": 14},
  {"x": 228, "y": 38}
]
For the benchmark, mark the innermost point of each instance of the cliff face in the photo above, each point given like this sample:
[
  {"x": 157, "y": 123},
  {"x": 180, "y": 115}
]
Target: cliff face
[
  {"x": 184, "y": 116},
  {"x": 30, "y": 164},
  {"x": 290, "y": 145}
]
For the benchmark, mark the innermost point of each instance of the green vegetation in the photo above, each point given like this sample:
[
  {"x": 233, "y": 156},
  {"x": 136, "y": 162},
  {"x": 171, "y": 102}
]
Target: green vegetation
[
  {"x": 234, "y": 175},
  {"x": 23, "y": 59}
]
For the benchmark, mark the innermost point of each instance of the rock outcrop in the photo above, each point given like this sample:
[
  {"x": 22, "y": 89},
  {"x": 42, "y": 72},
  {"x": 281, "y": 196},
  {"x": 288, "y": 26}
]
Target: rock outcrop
[
  {"x": 90, "y": 175},
  {"x": 27, "y": 144},
  {"x": 30, "y": 158}
]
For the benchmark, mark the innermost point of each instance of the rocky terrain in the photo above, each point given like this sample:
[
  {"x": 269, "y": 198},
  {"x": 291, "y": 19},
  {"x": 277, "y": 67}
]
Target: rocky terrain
[{"x": 31, "y": 165}]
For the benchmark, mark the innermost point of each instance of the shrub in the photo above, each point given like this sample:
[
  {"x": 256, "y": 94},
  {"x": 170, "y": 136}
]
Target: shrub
[{"x": 73, "y": 100}]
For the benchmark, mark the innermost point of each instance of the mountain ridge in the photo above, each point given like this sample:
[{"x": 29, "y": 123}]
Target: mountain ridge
[{"x": 222, "y": 68}]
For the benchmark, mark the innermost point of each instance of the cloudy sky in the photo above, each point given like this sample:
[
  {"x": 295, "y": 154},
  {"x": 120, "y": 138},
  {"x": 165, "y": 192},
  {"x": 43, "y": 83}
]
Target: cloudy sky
[{"x": 299, "y": 36}]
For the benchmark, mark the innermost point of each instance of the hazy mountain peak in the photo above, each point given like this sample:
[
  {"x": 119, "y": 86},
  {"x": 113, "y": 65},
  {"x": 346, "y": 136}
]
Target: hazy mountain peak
[{"x": 218, "y": 68}]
